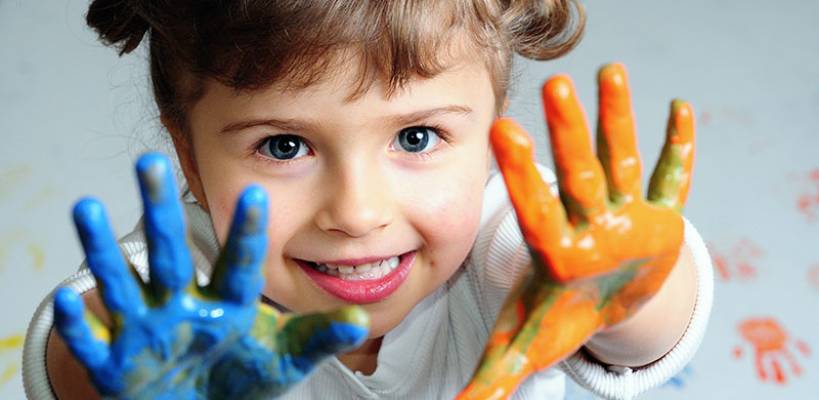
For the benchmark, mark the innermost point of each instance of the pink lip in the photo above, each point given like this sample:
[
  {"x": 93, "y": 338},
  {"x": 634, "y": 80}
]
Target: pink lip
[{"x": 365, "y": 291}]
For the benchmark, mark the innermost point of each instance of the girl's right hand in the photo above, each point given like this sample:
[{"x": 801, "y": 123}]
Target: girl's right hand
[{"x": 174, "y": 339}]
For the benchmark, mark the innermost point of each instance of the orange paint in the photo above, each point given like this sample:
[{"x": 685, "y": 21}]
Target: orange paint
[
  {"x": 601, "y": 250},
  {"x": 740, "y": 262},
  {"x": 813, "y": 276},
  {"x": 807, "y": 202},
  {"x": 770, "y": 344}
]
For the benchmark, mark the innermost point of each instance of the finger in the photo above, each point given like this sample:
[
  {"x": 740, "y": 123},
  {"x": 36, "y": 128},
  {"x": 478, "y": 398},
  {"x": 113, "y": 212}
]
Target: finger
[
  {"x": 672, "y": 175},
  {"x": 87, "y": 345},
  {"x": 118, "y": 285},
  {"x": 579, "y": 175},
  {"x": 540, "y": 215},
  {"x": 313, "y": 337},
  {"x": 616, "y": 135},
  {"x": 237, "y": 275},
  {"x": 171, "y": 266}
]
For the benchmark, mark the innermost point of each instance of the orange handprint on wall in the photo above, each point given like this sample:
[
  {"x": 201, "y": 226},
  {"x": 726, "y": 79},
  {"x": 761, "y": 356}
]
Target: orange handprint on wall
[
  {"x": 740, "y": 262},
  {"x": 808, "y": 201},
  {"x": 813, "y": 276},
  {"x": 771, "y": 344}
]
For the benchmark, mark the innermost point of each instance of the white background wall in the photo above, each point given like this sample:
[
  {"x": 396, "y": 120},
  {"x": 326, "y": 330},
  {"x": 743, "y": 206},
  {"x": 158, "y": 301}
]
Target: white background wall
[{"x": 73, "y": 117}]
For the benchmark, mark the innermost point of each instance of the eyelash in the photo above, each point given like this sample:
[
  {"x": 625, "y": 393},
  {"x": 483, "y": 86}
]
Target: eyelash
[{"x": 442, "y": 133}]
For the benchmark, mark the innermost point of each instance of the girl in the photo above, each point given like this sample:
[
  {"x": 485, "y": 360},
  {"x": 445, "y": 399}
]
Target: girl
[{"x": 354, "y": 134}]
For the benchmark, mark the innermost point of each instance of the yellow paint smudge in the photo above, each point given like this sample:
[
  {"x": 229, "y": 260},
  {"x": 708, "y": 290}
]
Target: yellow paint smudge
[
  {"x": 12, "y": 177},
  {"x": 8, "y": 373},
  {"x": 11, "y": 342},
  {"x": 37, "y": 256}
]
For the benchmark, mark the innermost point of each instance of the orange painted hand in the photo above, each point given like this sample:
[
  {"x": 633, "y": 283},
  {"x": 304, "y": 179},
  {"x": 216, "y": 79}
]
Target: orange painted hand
[{"x": 601, "y": 250}]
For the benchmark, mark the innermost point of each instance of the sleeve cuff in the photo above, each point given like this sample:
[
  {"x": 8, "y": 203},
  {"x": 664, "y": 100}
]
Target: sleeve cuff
[
  {"x": 617, "y": 382},
  {"x": 35, "y": 376}
]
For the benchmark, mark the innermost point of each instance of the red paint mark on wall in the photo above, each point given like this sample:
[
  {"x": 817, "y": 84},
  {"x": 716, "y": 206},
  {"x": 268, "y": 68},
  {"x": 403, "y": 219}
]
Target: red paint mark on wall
[
  {"x": 807, "y": 202},
  {"x": 705, "y": 118},
  {"x": 813, "y": 276},
  {"x": 739, "y": 262},
  {"x": 770, "y": 346}
]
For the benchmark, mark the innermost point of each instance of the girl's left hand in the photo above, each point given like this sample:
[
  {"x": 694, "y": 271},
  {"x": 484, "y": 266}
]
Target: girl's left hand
[{"x": 602, "y": 250}]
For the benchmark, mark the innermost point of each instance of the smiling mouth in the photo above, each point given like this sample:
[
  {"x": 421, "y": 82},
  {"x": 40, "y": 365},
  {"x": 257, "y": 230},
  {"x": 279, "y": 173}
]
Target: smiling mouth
[
  {"x": 362, "y": 272},
  {"x": 360, "y": 284}
]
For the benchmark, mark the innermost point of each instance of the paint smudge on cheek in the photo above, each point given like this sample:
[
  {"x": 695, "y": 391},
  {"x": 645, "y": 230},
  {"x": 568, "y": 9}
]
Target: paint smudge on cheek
[{"x": 771, "y": 349}]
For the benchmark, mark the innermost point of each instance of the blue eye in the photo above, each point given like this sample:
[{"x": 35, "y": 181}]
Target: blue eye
[
  {"x": 284, "y": 147},
  {"x": 417, "y": 139}
]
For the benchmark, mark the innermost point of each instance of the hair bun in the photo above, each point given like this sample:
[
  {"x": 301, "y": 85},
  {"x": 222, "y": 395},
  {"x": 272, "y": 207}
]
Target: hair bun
[
  {"x": 118, "y": 22},
  {"x": 543, "y": 29}
]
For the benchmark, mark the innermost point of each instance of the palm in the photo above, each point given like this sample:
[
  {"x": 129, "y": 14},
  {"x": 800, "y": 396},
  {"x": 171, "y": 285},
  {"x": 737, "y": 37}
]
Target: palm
[
  {"x": 601, "y": 250},
  {"x": 170, "y": 335}
]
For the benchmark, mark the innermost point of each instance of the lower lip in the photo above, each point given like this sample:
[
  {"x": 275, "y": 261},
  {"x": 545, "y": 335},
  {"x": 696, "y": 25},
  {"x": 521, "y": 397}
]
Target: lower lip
[{"x": 362, "y": 292}]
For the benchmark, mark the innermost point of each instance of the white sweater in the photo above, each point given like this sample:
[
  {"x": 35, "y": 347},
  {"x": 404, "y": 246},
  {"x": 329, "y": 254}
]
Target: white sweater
[{"x": 435, "y": 349}]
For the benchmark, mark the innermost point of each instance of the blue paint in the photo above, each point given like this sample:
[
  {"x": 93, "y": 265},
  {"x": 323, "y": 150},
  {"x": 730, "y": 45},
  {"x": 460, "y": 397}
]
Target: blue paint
[
  {"x": 171, "y": 263},
  {"x": 174, "y": 340},
  {"x": 680, "y": 380}
]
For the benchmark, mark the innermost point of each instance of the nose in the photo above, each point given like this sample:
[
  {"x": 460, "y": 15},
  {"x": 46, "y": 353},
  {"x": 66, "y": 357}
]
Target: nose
[{"x": 357, "y": 202}]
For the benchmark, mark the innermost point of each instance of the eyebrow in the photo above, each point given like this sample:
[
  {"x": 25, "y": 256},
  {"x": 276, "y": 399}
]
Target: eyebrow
[{"x": 300, "y": 125}]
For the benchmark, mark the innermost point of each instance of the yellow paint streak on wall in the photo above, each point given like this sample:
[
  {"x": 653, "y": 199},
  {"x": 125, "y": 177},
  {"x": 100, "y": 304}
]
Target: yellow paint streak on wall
[
  {"x": 11, "y": 178},
  {"x": 8, "y": 373},
  {"x": 37, "y": 256},
  {"x": 11, "y": 342}
]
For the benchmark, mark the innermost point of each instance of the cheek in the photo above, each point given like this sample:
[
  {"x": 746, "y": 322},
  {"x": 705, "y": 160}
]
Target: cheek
[{"x": 446, "y": 213}]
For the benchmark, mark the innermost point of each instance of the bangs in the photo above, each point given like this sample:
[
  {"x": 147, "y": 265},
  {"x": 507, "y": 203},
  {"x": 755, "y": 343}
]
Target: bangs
[{"x": 387, "y": 41}]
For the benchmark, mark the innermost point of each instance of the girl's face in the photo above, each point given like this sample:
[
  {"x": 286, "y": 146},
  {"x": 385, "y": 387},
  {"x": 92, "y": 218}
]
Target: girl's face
[{"x": 373, "y": 201}]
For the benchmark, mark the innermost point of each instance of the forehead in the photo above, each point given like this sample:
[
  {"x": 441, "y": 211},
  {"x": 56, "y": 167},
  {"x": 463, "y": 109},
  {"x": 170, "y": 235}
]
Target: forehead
[{"x": 466, "y": 83}]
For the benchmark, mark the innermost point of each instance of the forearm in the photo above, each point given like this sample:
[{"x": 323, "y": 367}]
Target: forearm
[{"x": 657, "y": 326}]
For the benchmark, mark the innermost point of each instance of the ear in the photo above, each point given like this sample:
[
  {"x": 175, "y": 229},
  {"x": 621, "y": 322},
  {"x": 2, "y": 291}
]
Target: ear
[{"x": 183, "y": 144}]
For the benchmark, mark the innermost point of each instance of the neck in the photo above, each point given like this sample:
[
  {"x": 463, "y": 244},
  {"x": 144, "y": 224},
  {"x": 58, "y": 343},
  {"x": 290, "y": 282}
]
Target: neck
[{"x": 364, "y": 358}]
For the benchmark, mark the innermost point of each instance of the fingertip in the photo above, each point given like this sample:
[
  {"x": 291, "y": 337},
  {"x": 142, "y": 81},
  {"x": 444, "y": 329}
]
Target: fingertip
[
  {"x": 612, "y": 79},
  {"x": 253, "y": 196},
  {"x": 251, "y": 210},
  {"x": 349, "y": 334},
  {"x": 88, "y": 210},
  {"x": 612, "y": 67},
  {"x": 682, "y": 108},
  {"x": 355, "y": 315},
  {"x": 152, "y": 161},
  {"x": 558, "y": 88},
  {"x": 682, "y": 118},
  {"x": 67, "y": 304},
  {"x": 507, "y": 136},
  {"x": 155, "y": 175}
]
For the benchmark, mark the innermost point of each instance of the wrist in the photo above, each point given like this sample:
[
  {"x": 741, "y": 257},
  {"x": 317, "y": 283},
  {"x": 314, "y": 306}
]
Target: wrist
[{"x": 657, "y": 326}]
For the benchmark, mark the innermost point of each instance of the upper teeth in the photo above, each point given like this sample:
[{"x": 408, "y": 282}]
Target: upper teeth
[{"x": 372, "y": 270}]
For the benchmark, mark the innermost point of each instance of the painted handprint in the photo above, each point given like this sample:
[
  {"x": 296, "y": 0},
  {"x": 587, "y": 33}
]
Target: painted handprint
[
  {"x": 808, "y": 201},
  {"x": 770, "y": 346},
  {"x": 599, "y": 251},
  {"x": 813, "y": 276},
  {"x": 740, "y": 262},
  {"x": 174, "y": 339}
]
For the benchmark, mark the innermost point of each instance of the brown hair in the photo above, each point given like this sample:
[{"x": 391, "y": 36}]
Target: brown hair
[{"x": 250, "y": 44}]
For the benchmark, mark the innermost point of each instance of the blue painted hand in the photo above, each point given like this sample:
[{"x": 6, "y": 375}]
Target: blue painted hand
[{"x": 174, "y": 339}]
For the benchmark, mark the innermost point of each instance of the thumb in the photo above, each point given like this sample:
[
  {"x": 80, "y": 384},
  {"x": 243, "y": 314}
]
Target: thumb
[{"x": 310, "y": 338}]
